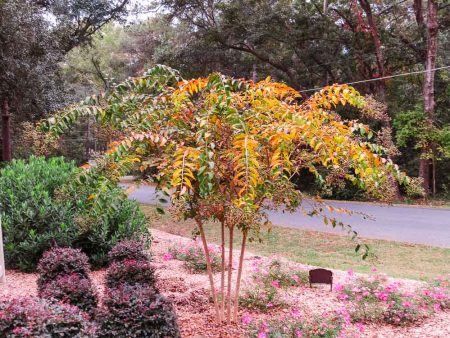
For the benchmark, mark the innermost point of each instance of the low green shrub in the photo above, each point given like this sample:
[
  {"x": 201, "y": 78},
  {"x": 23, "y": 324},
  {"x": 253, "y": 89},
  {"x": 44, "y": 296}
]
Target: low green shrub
[
  {"x": 374, "y": 299},
  {"x": 436, "y": 296},
  {"x": 280, "y": 272},
  {"x": 297, "y": 324},
  {"x": 268, "y": 280},
  {"x": 34, "y": 317},
  {"x": 46, "y": 203},
  {"x": 137, "y": 312},
  {"x": 261, "y": 298},
  {"x": 192, "y": 254}
]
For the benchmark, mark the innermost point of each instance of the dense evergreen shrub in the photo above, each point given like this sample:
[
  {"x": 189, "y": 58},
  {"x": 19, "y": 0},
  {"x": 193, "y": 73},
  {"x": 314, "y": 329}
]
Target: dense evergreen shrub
[
  {"x": 128, "y": 249},
  {"x": 106, "y": 216},
  {"x": 130, "y": 272},
  {"x": 71, "y": 289},
  {"x": 46, "y": 203},
  {"x": 58, "y": 262},
  {"x": 137, "y": 311},
  {"x": 32, "y": 221},
  {"x": 38, "y": 318}
]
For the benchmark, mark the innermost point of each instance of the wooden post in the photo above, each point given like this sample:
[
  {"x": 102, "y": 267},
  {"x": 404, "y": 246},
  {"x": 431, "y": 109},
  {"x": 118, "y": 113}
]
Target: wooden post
[
  {"x": 2, "y": 257},
  {"x": 6, "y": 132}
]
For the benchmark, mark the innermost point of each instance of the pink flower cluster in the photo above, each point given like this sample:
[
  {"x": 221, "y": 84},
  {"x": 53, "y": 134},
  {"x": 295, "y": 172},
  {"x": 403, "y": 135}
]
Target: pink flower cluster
[
  {"x": 437, "y": 297},
  {"x": 329, "y": 324},
  {"x": 360, "y": 289},
  {"x": 375, "y": 299}
]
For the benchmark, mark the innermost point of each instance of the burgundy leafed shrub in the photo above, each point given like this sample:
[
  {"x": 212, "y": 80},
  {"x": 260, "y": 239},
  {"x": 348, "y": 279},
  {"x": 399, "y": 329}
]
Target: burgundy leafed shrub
[
  {"x": 34, "y": 317},
  {"x": 137, "y": 311},
  {"x": 62, "y": 261},
  {"x": 128, "y": 249},
  {"x": 71, "y": 289},
  {"x": 130, "y": 272}
]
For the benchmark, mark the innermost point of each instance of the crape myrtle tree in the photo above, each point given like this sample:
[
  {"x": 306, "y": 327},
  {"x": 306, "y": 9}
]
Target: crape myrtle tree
[{"x": 226, "y": 149}]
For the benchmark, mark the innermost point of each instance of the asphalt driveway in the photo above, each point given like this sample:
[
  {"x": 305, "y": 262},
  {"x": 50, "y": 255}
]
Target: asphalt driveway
[{"x": 421, "y": 225}]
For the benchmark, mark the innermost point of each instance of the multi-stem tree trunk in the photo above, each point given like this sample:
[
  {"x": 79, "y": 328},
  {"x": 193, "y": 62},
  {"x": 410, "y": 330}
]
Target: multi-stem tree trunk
[
  {"x": 239, "y": 276},
  {"x": 222, "y": 271},
  {"x": 432, "y": 28},
  {"x": 227, "y": 308},
  {"x": 209, "y": 269},
  {"x": 230, "y": 274}
]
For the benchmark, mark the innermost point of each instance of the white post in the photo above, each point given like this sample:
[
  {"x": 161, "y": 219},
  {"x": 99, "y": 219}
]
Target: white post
[{"x": 2, "y": 256}]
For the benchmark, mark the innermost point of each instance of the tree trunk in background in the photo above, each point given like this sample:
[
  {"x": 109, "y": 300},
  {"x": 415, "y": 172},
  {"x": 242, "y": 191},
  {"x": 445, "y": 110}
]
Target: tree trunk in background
[
  {"x": 6, "y": 133},
  {"x": 424, "y": 172},
  {"x": 325, "y": 7},
  {"x": 380, "y": 86},
  {"x": 428, "y": 86},
  {"x": 254, "y": 74}
]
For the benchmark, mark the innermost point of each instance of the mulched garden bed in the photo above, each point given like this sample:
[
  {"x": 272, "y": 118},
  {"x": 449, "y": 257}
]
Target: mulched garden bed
[{"x": 190, "y": 294}]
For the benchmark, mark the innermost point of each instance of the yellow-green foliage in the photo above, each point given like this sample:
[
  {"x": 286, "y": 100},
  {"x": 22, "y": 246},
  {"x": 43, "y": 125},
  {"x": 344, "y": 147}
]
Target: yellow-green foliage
[{"x": 225, "y": 146}]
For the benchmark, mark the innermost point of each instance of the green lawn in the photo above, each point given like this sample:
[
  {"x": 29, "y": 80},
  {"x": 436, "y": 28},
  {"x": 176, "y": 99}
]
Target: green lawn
[{"x": 327, "y": 250}]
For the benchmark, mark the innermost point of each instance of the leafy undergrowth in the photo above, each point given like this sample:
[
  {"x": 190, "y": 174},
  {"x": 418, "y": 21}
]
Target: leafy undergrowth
[
  {"x": 363, "y": 300},
  {"x": 267, "y": 281},
  {"x": 193, "y": 256},
  {"x": 301, "y": 324}
]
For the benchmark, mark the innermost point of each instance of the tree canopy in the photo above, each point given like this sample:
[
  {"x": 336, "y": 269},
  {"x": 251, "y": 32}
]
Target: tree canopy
[{"x": 226, "y": 149}]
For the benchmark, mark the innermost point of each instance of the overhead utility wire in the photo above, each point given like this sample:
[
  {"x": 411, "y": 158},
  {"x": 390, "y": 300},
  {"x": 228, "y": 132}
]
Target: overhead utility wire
[{"x": 379, "y": 78}]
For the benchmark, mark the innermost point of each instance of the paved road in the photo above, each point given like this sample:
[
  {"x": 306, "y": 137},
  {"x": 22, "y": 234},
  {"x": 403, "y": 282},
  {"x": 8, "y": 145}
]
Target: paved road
[{"x": 420, "y": 225}]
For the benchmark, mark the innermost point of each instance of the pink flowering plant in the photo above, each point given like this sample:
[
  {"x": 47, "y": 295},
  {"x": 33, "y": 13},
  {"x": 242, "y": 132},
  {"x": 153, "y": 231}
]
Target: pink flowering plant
[
  {"x": 269, "y": 282},
  {"x": 260, "y": 297},
  {"x": 436, "y": 296},
  {"x": 278, "y": 272},
  {"x": 192, "y": 254},
  {"x": 373, "y": 299},
  {"x": 304, "y": 324}
]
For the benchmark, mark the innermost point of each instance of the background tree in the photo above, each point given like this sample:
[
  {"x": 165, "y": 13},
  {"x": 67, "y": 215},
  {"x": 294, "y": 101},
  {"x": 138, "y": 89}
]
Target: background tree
[{"x": 34, "y": 38}]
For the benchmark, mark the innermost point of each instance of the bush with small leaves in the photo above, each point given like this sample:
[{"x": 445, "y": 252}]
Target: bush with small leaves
[
  {"x": 71, "y": 289},
  {"x": 436, "y": 296},
  {"x": 193, "y": 255},
  {"x": 279, "y": 272},
  {"x": 62, "y": 261},
  {"x": 128, "y": 249},
  {"x": 34, "y": 317},
  {"x": 130, "y": 272},
  {"x": 304, "y": 324},
  {"x": 137, "y": 311},
  {"x": 375, "y": 299},
  {"x": 269, "y": 281}
]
